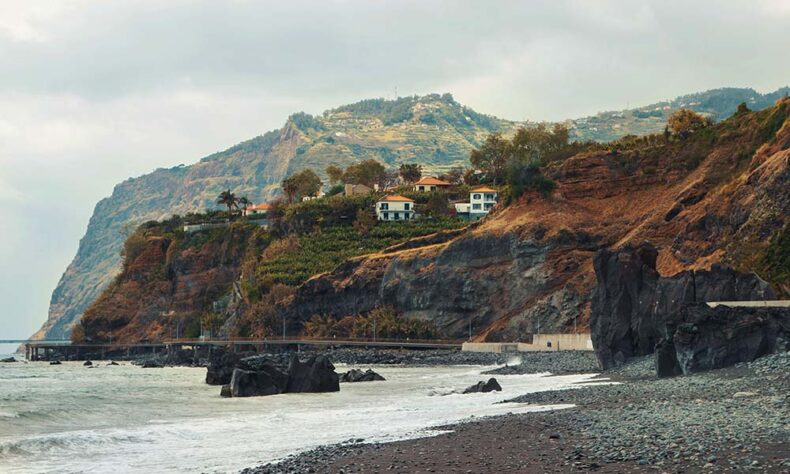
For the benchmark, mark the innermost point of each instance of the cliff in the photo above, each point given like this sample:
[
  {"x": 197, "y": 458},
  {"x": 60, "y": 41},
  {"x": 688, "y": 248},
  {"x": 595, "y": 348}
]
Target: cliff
[
  {"x": 437, "y": 132},
  {"x": 721, "y": 196}
]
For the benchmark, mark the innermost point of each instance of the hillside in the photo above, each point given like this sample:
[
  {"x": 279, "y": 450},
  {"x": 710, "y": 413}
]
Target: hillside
[
  {"x": 720, "y": 195},
  {"x": 432, "y": 130}
]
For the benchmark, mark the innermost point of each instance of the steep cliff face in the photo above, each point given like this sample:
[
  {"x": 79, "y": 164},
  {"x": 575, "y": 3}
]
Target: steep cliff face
[
  {"x": 168, "y": 284},
  {"x": 719, "y": 197}
]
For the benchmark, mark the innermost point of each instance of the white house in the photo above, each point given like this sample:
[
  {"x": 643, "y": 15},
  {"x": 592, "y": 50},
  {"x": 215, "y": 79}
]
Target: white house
[
  {"x": 257, "y": 210},
  {"x": 430, "y": 184},
  {"x": 395, "y": 208},
  {"x": 481, "y": 201}
]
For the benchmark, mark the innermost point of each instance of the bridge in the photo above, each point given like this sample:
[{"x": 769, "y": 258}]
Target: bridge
[{"x": 47, "y": 349}]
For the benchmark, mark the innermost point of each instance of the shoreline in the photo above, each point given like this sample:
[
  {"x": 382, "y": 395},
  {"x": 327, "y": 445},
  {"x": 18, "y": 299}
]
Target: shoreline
[{"x": 733, "y": 419}]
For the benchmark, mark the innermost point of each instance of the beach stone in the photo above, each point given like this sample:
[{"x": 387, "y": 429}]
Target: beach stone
[
  {"x": 8, "y": 359},
  {"x": 54, "y": 362},
  {"x": 87, "y": 363}
]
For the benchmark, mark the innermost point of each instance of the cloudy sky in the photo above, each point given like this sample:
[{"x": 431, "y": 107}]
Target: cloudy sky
[{"x": 93, "y": 92}]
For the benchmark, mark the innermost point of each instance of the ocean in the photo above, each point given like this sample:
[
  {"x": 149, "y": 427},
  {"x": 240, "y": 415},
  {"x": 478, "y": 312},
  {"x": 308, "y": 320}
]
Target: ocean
[{"x": 70, "y": 418}]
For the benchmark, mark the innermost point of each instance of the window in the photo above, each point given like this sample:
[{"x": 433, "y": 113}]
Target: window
[
  {"x": 406, "y": 206},
  {"x": 487, "y": 206},
  {"x": 489, "y": 197},
  {"x": 386, "y": 215},
  {"x": 397, "y": 216},
  {"x": 476, "y": 207},
  {"x": 421, "y": 188},
  {"x": 384, "y": 206},
  {"x": 476, "y": 197}
]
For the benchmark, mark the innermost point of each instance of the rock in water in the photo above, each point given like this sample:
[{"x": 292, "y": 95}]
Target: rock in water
[
  {"x": 8, "y": 359},
  {"x": 225, "y": 391},
  {"x": 249, "y": 383},
  {"x": 315, "y": 375},
  {"x": 87, "y": 363},
  {"x": 152, "y": 364},
  {"x": 491, "y": 386},
  {"x": 356, "y": 375},
  {"x": 220, "y": 368},
  {"x": 54, "y": 362}
]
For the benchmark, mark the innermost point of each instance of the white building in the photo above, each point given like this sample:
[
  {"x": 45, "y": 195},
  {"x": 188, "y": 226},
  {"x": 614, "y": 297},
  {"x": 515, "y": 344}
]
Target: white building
[
  {"x": 430, "y": 184},
  {"x": 481, "y": 201},
  {"x": 395, "y": 208},
  {"x": 257, "y": 210}
]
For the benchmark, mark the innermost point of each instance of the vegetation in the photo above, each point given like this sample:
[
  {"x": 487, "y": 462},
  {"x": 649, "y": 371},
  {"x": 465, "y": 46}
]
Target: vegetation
[
  {"x": 326, "y": 248},
  {"x": 685, "y": 122},
  {"x": 410, "y": 173},
  {"x": 302, "y": 184},
  {"x": 775, "y": 262},
  {"x": 381, "y": 323},
  {"x": 229, "y": 199}
]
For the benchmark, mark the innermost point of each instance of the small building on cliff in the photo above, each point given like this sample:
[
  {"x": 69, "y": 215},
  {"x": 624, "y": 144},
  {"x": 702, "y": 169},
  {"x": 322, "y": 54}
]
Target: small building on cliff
[
  {"x": 428, "y": 184},
  {"x": 395, "y": 208},
  {"x": 260, "y": 210},
  {"x": 481, "y": 200}
]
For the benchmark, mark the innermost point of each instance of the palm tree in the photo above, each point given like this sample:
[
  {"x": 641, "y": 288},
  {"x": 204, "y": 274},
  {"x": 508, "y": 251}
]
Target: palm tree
[
  {"x": 244, "y": 203},
  {"x": 229, "y": 199}
]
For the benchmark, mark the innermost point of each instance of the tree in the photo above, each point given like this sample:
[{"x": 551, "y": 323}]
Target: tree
[
  {"x": 684, "y": 122},
  {"x": 454, "y": 176},
  {"x": 364, "y": 222},
  {"x": 437, "y": 205},
  {"x": 538, "y": 144},
  {"x": 368, "y": 172},
  {"x": 742, "y": 109},
  {"x": 301, "y": 184},
  {"x": 410, "y": 172},
  {"x": 335, "y": 174},
  {"x": 228, "y": 199},
  {"x": 244, "y": 203},
  {"x": 335, "y": 189},
  {"x": 491, "y": 158}
]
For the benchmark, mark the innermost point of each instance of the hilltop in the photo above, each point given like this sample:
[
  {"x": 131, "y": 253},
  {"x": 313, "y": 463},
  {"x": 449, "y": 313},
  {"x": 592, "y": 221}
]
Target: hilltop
[{"x": 432, "y": 130}]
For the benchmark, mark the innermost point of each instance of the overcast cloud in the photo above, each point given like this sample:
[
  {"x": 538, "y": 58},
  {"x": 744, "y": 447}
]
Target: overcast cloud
[{"x": 92, "y": 93}]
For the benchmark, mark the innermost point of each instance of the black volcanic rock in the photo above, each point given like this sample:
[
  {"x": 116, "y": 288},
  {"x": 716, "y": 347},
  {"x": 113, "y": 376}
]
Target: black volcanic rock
[
  {"x": 491, "y": 386},
  {"x": 712, "y": 338},
  {"x": 220, "y": 367},
  {"x": 316, "y": 375},
  {"x": 634, "y": 307},
  {"x": 356, "y": 375},
  {"x": 8, "y": 359},
  {"x": 248, "y": 383}
]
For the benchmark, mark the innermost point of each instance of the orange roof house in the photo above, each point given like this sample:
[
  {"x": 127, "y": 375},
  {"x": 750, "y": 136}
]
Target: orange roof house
[{"x": 430, "y": 184}]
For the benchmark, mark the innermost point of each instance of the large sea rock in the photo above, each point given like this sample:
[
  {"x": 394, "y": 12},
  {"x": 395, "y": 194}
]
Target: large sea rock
[
  {"x": 634, "y": 308},
  {"x": 357, "y": 375},
  {"x": 259, "y": 375}
]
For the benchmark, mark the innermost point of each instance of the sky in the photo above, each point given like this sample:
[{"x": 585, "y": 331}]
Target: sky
[{"x": 93, "y": 92}]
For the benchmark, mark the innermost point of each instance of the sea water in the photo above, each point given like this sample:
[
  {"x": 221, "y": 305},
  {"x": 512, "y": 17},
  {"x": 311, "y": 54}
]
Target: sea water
[{"x": 69, "y": 418}]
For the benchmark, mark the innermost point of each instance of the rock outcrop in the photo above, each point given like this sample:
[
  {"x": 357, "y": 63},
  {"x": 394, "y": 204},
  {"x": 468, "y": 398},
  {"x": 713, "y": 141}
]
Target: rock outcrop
[
  {"x": 636, "y": 311},
  {"x": 257, "y": 376},
  {"x": 711, "y": 338},
  {"x": 482, "y": 387},
  {"x": 357, "y": 375}
]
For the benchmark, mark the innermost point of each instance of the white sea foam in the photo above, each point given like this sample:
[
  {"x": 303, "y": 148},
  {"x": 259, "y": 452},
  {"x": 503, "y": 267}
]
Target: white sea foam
[{"x": 128, "y": 419}]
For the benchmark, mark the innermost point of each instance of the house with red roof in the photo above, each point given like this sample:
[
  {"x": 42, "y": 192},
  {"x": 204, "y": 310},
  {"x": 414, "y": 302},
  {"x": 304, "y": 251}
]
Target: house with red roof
[
  {"x": 395, "y": 208},
  {"x": 257, "y": 210},
  {"x": 428, "y": 184}
]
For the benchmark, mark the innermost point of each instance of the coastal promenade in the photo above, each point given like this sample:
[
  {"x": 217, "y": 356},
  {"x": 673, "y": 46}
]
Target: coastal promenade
[{"x": 57, "y": 349}]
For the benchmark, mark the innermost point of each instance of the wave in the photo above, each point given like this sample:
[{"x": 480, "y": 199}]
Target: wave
[{"x": 63, "y": 443}]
